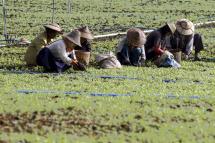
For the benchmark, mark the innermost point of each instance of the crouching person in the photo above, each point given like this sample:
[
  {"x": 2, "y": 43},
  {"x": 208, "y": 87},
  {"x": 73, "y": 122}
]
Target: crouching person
[
  {"x": 130, "y": 50},
  {"x": 43, "y": 39},
  {"x": 86, "y": 37},
  {"x": 156, "y": 47},
  {"x": 83, "y": 52},
  {"x": 185, "y": 39},
  {"x": 59, "y": 56},
  {"x": 156, "y": 41}
]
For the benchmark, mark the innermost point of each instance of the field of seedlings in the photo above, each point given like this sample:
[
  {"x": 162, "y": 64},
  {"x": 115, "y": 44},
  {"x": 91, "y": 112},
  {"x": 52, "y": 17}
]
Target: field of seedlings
[{"x": 132, "y": 104}]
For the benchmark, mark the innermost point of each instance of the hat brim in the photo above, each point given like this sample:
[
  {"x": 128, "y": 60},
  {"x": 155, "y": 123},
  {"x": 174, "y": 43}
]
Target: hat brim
[
  {"x": 54, "y": 28},
  {"x": 185, "y": 32},
  {"x": 139, "y": 44},
  {"x": 72, "y": 40},
  {"x": 136, "y": 41},
  {"x": 87, "y": 36},
  {"x": 172, "y": 26}
]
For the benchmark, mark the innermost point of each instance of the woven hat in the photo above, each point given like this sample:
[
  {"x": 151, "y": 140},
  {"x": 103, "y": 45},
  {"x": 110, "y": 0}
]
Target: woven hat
[
  {"x": 23, "y": 41},
  {"x": 85, "y": 32},
  {"x": 185, "y": 27},
  {"x": 136, "y": 37},
  {"x": 172, "y": 26},
  {"x": 73, "y": 37},
  {"x": 54, "y": 26}
]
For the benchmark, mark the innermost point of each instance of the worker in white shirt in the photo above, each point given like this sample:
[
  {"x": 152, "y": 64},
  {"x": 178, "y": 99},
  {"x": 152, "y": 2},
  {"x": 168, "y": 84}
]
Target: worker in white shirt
[{"x": 60, "y": 55}]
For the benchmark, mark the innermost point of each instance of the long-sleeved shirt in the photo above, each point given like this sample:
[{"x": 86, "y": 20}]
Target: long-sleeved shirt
[{"x": 58, "y": 49}]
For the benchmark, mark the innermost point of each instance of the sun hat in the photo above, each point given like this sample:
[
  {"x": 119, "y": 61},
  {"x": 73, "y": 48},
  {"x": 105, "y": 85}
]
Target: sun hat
[
  {"x": 54, "y": 26},
  {"x": 73, "y": 37},
  {"x": 136, "y": 37},
  {"x": 185, "y": 27},
  {"x": 172, "y": 26},
  {"x": 85, "y": 32}
]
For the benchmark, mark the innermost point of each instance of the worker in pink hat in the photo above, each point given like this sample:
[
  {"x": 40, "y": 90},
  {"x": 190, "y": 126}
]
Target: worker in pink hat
[{"x": 130, "y": 50}]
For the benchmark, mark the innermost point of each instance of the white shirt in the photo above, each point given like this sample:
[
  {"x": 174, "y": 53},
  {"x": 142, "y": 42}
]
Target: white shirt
[{"x": 58, "y": 49}]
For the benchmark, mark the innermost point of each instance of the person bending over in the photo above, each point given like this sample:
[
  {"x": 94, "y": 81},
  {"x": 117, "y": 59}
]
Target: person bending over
[
  {"x": 185, "y": 39},
  {"x": 156, "y": 41},
  {"x": 43, "y": 39},
  {"x": 130, "y": 50},
  {"x": 60, "y": 56}
]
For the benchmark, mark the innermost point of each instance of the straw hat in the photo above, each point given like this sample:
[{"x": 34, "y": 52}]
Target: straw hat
[
  {"x": 172, "y": 26},
  {"x": 73, "y": 37},
  {"x": 185, "y": 27},
  {"x": 136, "y": 37},
  {"x": 85, "y": 32},
  {"x": 23, "y": 41},
  {"x": 54, "y": 27}
]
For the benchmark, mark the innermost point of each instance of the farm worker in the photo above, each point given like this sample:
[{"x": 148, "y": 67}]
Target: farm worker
[
  {"x": 43, "y": 39},
  {"x": 86, "y": 36},
  {"x": 185, "y": 39},
  {"x": 130, "y": 50},
  {"x": 83, "y": 52},
  {"x": 60, "y": 55},
  {"x": 156, "y": 41}
]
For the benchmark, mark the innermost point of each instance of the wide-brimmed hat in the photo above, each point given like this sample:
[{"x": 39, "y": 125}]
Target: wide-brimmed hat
[
  {"x": 85, "y": 32},
  {"x": 136, "y": 37},
  {"x": 172, "y": 26},
  {"x": 185, "y": 27},
  {"x": 23, "y": 41},
  {"x": 73, "y": 37},
  {"x": 54, "y": 26}
]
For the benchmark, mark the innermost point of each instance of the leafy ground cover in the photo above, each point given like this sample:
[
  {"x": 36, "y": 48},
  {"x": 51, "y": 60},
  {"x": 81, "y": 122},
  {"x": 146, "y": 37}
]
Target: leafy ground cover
[
  {"x": 161, "y": 105},
  {"x": 102, "y": 16}
]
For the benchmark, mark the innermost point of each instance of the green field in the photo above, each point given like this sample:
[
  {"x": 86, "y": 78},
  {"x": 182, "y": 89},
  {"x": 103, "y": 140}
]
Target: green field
[{"x": 156, "y": 104}]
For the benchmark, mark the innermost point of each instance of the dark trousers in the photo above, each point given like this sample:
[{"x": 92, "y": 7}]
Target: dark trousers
[
  {"x": 198, "y": 44},
  {"x": 177, "y": 43},
  {"x": 51, "y": 64}
]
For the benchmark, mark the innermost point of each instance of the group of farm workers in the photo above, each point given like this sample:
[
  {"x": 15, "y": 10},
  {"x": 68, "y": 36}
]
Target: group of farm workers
[
  {"x": 58, "y": 56},
  {"x": 134, "y": 49}
]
